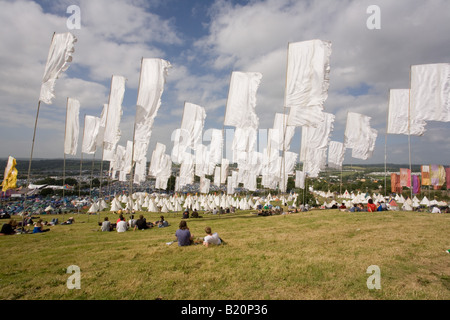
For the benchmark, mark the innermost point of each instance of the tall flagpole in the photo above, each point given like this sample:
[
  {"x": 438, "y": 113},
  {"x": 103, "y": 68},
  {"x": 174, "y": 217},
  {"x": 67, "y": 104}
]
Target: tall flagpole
[
  {"x": 134, "y": 134},
  {"x": 32, "y": 144},
  {"x": 103, "y": 142},
  {"x": 34, "y": 132},
  {"x": 179, "y": 170},
  {"x": 81, "y": 158},
  {"x": 283, "y": 177},
  {"x": 385, "y": 145},
  {"x": 409, "y": 132},
  {"x": 223, "y": 134},
  {"x": 64, "y": 147}
]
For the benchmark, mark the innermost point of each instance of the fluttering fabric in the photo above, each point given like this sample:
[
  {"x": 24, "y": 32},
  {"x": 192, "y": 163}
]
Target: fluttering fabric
[
  {"x": 426, "y": 178},
  {"x": 165, "y": 169},
  {"x": 215, "y": 147},
  {"x": 72, "y": 127},
  {"x": 399, "y": 120},
  {"x": 434, "y": 174},
  {"x": 447, "y": 175},
  {"x": 405, "y": 177},
  {"x": 241, "y": 103},
  {"x": 279, "y": 133},
  {"x": 316, "y": 137},
  {"x": 102, "y": 125},
  {"x": 359, "y": 136},
  {"x": 314, "y": 143},
  {"x": 307, "y": 81},
  {"x": 430, "y": 92},
  {"x": 187, "y": 170},
  {"x": 192, "y": 124},
  {"x": 90, "y": 134},
  {"x": 114, "y": 114},
  {"x": 156, "y": 162},
  {"x": 224, "y": 170},
  {"x": 299, "y": 179},
  {"x": 416, "y": 184},
  {"x": 244, "y": 141},
  {"x": 201, "y": 160},
  {"x": 151, "y": 86},
  {"x": 59, "y": 56},
  {"x": 287, "y": 168},
  {"x": 336, "y": 153},
  {"x": 204, "y": 185},
  {"x": 140, "y": 171},
  {"x": 10, "y": 175},
  {"x": 395, "y": 183}
]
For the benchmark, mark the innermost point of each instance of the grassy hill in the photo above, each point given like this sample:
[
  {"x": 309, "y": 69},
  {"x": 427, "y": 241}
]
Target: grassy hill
[{"x": 321, "y": 254}]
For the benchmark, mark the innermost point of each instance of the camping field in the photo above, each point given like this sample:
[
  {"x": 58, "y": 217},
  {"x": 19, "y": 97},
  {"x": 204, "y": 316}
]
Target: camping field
[{"x": 320, "y": 254}]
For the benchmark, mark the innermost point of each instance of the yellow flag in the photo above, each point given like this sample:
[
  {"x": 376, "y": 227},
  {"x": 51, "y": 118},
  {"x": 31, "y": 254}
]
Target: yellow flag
[{"x": 10, "y": 176}]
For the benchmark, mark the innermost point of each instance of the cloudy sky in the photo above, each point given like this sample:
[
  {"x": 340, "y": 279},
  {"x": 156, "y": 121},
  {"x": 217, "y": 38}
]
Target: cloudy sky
[{"x": 205, "y": 41}]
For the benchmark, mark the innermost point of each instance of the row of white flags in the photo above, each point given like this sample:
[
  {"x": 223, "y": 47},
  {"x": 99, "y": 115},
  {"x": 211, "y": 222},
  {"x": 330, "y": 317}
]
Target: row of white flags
[
  {"x": 307, "y": 82},
  {"x": 427, "y": 99}
]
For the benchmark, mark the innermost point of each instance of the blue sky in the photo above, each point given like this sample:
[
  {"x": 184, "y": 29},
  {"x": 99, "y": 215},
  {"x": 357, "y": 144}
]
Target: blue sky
[{"x": 205, "y": 41}]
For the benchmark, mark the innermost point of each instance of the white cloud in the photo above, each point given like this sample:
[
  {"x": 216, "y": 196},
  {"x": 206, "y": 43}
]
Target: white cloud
[{"x": 251, "y": 36}]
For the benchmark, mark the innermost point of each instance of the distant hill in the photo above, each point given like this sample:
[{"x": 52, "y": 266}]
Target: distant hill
[{"x": 55, "y": 166}]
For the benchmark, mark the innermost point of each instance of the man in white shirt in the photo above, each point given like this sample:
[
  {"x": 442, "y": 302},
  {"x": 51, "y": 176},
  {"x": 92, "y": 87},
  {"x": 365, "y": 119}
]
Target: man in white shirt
[
  {"x": 211, "y": 238},
  {"x": 121, "y": 226}
]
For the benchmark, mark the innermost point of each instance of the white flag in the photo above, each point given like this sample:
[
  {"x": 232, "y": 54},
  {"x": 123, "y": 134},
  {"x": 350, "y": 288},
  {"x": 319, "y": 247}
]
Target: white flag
[
  {"x": 316, "y": 138},
  {"x": 280, "y": 131},
  {"x": 398, "y": 115},
  {"x": 151, "y": 86},
  {"x": 90, "y": 133},
  {"x": 359, "y": 136},
  {"x": 114, "y": 114},
  {"x": 307, "y": 81},
  {"x": 299, "y": 179},
  {"x": 72, "y": 127},
  {"x": 216, "y": 147},
  {"x": 241, "y": 104},
  {"x": 59, "y": 56},
  {"x": 192, "y": 124},
  {"x": 157, "y": 159},
  {"x": 336, "y": 152},
  {"x": 430, "y": 92}
]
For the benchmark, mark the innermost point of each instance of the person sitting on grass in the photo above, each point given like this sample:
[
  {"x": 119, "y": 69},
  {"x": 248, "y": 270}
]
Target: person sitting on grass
[
  {"x": 161, "y": 223},
  {"x": 186, "y": 214},
  {"x": 9, "y": 228},
  {"x": 184, "y": 236},
  {"x": 39, "y": 227},
  {"x": 211, "y": 238},
  {"x": 132, "y": 222},
  {"x": 371, "y": 207},
  {"x": 194, "y": 214},
  {"x": 141, "y": 223},
  {"x": 122, "y": 225},
  {"x": 106, "y": 225}
]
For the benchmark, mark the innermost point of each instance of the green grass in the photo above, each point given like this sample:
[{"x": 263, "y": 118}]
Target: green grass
[{"x": 321, "y": 254}]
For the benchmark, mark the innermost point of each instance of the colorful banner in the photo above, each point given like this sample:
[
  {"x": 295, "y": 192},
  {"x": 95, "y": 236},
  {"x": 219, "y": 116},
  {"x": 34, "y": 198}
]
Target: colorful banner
[
  {"x": 434, "y": 175},
  {"x": 395, "y": 183},
  {"x": 447, "y": 171},
  {"x": 416, "y": 184},
  {"x": 425, "y": 169},
  {"x": 405, "y": 177}
]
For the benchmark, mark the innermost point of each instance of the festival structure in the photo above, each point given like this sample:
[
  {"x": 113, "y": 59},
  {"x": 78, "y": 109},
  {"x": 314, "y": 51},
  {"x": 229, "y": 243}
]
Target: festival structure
[{"x": 306, "y": 91}]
